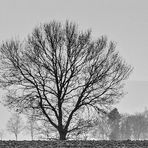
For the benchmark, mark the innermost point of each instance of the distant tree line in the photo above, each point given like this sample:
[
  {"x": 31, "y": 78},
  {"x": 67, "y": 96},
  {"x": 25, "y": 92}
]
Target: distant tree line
[
  {"x": 37, "y": 129},
  {"x": 116, "y": 126},
  {"x": 110, "y": 126}
]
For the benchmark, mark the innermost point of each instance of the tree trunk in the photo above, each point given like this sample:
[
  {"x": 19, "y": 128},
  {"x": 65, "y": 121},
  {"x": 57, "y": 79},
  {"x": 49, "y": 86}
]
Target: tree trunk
[
  {"x": 32, "y": 135},
  {"x": 16, "y": 137},
  {"x": 62, "y": 135}
]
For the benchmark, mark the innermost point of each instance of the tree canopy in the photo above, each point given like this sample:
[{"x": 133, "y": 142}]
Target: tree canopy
[{"x": 61, "y": 72}]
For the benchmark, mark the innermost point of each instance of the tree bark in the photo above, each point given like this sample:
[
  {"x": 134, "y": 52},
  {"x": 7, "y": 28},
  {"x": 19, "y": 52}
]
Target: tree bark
[{"x": 62, "y": 135}]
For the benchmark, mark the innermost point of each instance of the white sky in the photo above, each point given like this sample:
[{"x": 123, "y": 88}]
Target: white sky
[{"x": 123, "y": 21}]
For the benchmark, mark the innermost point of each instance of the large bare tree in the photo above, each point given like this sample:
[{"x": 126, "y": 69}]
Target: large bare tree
[{"x": 62, "y": 72}]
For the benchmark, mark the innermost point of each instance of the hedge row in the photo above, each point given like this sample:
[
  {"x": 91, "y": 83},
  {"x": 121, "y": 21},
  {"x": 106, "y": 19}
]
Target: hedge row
[{"x": 74, "y": 144}]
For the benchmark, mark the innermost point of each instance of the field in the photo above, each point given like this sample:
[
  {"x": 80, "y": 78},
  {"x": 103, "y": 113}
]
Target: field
[{"x": 74, "y": 144}]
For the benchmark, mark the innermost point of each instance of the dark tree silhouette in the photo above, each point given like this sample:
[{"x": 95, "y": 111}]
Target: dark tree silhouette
[
  {"x": 114, "y": 121},
  {"x": 61, "y": 72}
]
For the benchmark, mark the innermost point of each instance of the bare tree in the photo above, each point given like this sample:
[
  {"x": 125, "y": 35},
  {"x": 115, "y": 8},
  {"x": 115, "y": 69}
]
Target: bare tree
[
  {"x": 125, "y": 127},
  {"x": 61, "y": 72},
  {"x": 15, "y": 125},
  {"x": 139, "y": 126},
  {"x": 145, "y": 133},
  {"x": 1, "y": 134},
  {"x": 101, "y": 130},
  {"x": 32, "y": 125}
]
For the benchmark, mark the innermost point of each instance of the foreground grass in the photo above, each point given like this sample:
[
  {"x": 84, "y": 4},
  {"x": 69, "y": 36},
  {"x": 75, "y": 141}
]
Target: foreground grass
[{"x": 74, "y": 144}]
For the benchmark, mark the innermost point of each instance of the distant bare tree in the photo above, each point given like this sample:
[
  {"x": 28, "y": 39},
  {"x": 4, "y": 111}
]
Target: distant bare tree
[
  {"x": 32, "y": 125},
  {"x": 139, "y": 126},
  {"x": 101, "y": 130},
  {"x": 125, "y": 127},
  {"x": 15, "y": 125},
  {"x": 1, "y": 134},
  {"x": 145, "y": 134},
  {"x": 61, "y": 72}
]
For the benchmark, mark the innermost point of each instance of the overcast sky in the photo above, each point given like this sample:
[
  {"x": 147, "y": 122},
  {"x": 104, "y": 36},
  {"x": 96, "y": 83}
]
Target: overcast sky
[{"x": 122, "y": 21}]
